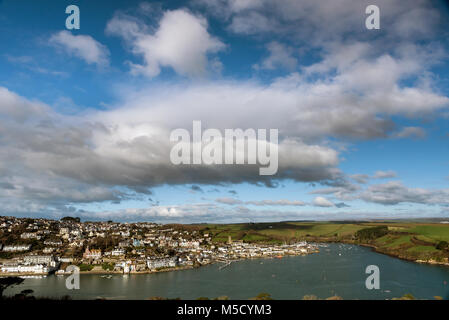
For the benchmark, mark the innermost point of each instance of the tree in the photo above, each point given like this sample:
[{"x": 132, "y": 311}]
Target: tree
[
  {"x": 108, "y": 266},
  {"x": 442, "y": 245},
  {"x": 71, "y": 219},
  {"x": 371, "y": 233}
]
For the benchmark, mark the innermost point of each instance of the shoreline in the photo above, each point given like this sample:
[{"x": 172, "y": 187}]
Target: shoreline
[
  {"x": 376, "y": 249},
  {"x": 24, "y": 274},
  {"x": 107, "y": 272}
]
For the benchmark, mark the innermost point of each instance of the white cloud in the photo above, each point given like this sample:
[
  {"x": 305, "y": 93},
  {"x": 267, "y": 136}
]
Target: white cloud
[
  {"x": 280, "y": 56},
  {"x": 252, "y": 23},
  {"x": 360, "y": 178},
  {"x": 394, "y": 192},
  {"x": 322, "y": 202},
  {"x": 31, "y": 64},
  {"x": 230, "y": 201},
  {"x": 384, "y": 174},
  {"x": 324, "y": 20},
  {"x": 181, "y": 41},
  {"x": 13, "y": 106},
  {"x": 282, "y": 202},
  {"x": 344, "y": 190},
  {"x": 82, "y": 46},
  {"x": 410, "y": 132}
]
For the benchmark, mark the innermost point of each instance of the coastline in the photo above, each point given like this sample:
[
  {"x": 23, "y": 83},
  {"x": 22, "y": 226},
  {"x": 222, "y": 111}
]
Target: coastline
[
  {"x": 390, "y": 254},
  {"x": 401, "y": 257},
  {"x": 22, "y": 274},
  {"x": 108, "y": 272}
]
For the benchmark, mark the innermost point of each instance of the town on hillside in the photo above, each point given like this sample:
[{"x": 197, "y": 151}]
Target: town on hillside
[{"x": 41, "y": 246}]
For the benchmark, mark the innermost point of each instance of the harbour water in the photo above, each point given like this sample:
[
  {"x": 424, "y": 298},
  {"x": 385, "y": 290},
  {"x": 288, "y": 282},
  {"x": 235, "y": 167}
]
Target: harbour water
[{"x": 337, "y": 270}]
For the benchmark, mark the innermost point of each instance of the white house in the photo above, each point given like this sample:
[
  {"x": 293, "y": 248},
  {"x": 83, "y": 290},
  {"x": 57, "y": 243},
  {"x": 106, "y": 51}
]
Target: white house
[{"x": 17, "y": 247}]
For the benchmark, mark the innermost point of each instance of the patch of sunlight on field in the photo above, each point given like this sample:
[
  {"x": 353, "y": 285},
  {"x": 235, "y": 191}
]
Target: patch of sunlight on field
[
  {"x": 422, "y": 249},
  {"x": 383, "y": 240},
  {"x": 324, "y": 230},
  {"x": 434, "y": 232},
  {"x": 399, "y": 241},
  {"x": 395, "y": 228},
  {"x": 426, "y": 238},
  {"x": 277, "y": 232},
  {"x": 254, "y": 237},
  {"x": 349, "y": 229}
]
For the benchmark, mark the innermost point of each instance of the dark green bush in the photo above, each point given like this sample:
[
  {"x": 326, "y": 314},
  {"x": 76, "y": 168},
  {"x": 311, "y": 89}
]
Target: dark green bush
[
  {"x": 371, "y": 233},
  {"x": 442, "y": 245}
]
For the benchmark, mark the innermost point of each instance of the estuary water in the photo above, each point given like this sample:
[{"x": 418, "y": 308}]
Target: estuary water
[{"x": 338, "y": 269}]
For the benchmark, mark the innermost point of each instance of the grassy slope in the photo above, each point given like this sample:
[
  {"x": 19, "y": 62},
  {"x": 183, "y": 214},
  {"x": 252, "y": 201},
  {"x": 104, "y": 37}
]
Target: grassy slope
[{"x": 408, "y": 240}]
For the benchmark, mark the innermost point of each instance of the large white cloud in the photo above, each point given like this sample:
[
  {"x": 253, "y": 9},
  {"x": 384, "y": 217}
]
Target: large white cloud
[
  {"x": 51, "y": 159},
  {"x": 181, "y": 41}
]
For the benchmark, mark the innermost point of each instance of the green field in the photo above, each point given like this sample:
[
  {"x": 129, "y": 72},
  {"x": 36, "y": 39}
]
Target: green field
[
  {"x": 432, "y": 232},
  {"x": 280, "y": 231},
  {"x": 410, "y": 240}
]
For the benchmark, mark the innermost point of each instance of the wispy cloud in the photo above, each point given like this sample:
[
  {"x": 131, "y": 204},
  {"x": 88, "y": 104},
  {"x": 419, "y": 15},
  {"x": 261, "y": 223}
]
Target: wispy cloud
[
  {"x": 281, "y": 202},
  {"x": 82, "y": 46},
  {"x": 384, "y": 174}
]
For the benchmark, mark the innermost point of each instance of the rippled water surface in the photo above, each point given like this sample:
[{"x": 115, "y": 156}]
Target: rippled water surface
[{"x": 337, "y": 270}]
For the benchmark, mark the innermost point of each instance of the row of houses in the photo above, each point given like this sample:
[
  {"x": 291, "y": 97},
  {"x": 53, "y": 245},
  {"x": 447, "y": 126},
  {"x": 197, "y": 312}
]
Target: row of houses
[
  {"x": 153, "y": 264},
  {"x": 16, "y": 248},
  {"x": 41, "y": 264},
  {"x": 21, "y": 268}
]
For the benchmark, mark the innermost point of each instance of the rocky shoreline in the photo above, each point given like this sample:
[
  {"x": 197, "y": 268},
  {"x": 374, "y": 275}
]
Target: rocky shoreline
[{"x": 402, "y": 257}]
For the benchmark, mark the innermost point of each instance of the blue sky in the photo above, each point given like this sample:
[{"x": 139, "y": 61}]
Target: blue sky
[{"x": 362, "y": 114}]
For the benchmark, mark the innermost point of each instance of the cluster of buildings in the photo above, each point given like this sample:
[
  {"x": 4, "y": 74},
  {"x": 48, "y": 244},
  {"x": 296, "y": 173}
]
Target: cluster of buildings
[
  {"x": 240, "y": 250},
  {"x": 42, "y": 246},
  {"x": 31, "y": 264}
]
